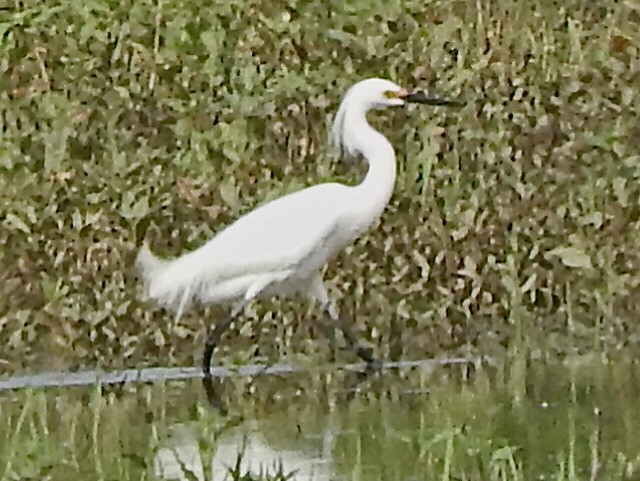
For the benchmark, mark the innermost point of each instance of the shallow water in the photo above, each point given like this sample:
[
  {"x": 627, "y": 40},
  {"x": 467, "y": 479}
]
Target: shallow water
[
  {"x": 504, "y": 421},
  {"x": 154, "y": 374}
]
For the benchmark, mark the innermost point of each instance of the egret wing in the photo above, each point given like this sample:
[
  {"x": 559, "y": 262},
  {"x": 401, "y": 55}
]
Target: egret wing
[{"x": 299, "y": 230}]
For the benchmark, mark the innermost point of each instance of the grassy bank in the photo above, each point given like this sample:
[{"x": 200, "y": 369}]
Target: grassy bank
[{"x": 515, "y": 221}]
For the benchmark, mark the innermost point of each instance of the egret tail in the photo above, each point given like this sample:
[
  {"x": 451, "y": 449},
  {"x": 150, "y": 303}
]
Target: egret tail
[
  {"x": 148, "y": 263},
  {"x": 167, "y": 282}
]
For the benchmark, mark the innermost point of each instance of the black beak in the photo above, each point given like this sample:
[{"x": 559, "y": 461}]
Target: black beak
[{"x": 419, "y": 97}]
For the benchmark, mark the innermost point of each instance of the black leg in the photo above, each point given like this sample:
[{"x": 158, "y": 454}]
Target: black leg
[
  {"x": 363, "y": 353},
  {"x": 329, "y": 332},
  {"x": 213, "y": 338}
]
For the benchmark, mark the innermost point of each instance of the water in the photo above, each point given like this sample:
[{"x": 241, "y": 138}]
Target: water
[
  {"x": 84, "y": 378},
  {"x": 506, "y": 421}
]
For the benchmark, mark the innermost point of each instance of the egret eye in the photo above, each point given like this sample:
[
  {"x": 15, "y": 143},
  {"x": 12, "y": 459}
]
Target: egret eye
[{"x": 391, "y": 94}]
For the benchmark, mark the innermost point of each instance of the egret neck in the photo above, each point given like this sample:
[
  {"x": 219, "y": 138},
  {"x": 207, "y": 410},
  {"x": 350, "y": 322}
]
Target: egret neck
[{"x": 372, "y": 195}]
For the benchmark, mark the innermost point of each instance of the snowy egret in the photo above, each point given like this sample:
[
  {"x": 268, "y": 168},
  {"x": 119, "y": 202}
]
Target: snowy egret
[{"x": 280, "y": 247}]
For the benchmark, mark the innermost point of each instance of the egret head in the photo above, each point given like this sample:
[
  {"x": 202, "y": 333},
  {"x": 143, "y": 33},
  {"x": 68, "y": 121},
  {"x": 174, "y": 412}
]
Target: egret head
[
  {"x": 373, "y": 93},
  {"x": 377, "y": 93}
]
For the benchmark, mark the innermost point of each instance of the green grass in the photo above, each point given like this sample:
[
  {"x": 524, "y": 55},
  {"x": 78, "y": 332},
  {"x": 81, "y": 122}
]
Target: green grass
[
  {"x": 581, "y": 426},
  {"x": 514, "y": 225}
]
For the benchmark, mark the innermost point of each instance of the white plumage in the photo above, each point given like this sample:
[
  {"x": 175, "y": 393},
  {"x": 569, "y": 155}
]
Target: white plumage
[
  {"x": 280, "y": 247},
  {"x": 268, "y": 242}
]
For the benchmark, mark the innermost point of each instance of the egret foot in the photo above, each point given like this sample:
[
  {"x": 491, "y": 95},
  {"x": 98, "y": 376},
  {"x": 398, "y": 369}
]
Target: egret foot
[{"x": 366, "y": 354}]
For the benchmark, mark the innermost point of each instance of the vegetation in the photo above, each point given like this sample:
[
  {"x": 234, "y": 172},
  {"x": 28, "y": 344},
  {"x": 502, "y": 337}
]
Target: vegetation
[
  {"x": 582, "y": 426},
  {"x": 514, "y": 225}
]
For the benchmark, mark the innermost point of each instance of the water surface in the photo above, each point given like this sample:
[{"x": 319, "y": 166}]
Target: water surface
[{"x": 507, "y": 421}]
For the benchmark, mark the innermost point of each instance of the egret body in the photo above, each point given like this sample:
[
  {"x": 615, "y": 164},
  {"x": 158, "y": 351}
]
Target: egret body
[{"x": 280, "y": 247}]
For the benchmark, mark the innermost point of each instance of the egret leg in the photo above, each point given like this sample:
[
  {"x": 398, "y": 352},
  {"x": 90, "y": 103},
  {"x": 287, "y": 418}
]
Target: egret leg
[
  {"x": 319, "y": 293},
  {"x": 213, "y": 338},
  {"x": 362, "y": 352}
]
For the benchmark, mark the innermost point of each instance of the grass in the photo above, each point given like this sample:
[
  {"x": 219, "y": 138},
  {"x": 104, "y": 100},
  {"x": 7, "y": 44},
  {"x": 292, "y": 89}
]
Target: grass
[
  {"x": 478, "y": 429},
  {"x": 514, "y": 226}
]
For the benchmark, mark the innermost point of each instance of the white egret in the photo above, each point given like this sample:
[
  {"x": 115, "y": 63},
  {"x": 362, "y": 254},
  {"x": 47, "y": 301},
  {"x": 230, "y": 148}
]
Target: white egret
[{"x": 280, "y": 247}]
